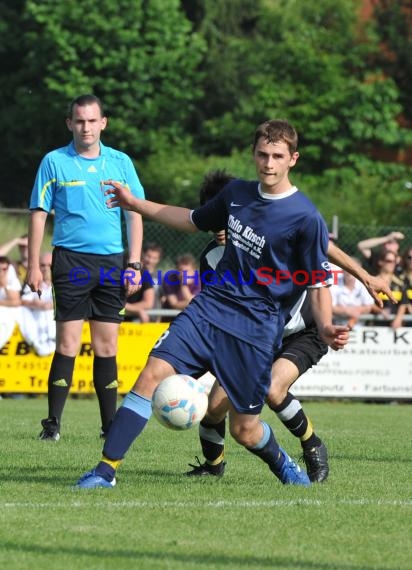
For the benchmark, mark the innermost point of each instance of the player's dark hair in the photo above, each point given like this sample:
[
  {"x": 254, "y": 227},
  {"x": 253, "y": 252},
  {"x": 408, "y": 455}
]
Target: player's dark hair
[
  {"x": 82, "y": 100},
  {"x": 5, "y": 259},
  {"x": 212, "y": 184},
  {"x": 277, "y": 130}
]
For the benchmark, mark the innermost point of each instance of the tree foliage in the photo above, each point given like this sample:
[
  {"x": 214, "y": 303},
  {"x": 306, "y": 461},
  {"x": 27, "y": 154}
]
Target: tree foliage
[
  {"x": 394, "y": 29},
  {"x": 305, "y": 62},
  {"x": 186, "y": 82},
  {"x": 140, "y": 57}
]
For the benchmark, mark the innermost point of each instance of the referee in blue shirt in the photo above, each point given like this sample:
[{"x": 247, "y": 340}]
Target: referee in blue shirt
[{"x": 88, "y": 257}]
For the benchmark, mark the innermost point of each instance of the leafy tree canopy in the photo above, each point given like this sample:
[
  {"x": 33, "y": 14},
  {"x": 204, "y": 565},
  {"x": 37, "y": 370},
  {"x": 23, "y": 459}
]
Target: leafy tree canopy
[
  {"x": 140, "y": 57},
  {"x": 186, "y": 82}
]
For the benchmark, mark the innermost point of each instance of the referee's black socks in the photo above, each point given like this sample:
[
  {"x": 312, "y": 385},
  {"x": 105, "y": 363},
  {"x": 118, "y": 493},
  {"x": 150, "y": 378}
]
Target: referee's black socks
[
  {"x": 106, "y": 384},
  {"x": 59, "y": 382}
]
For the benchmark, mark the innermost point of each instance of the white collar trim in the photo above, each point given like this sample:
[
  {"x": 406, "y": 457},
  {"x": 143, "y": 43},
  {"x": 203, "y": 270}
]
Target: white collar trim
[{"x": 277, "y": 196}]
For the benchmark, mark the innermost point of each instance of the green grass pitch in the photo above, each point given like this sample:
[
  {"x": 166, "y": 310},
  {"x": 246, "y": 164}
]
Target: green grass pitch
[{"x": 156, "y": 518}]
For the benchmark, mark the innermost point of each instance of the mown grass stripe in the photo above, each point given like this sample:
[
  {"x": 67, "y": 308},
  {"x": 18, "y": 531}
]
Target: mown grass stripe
[{"x": 209, "y": 504}]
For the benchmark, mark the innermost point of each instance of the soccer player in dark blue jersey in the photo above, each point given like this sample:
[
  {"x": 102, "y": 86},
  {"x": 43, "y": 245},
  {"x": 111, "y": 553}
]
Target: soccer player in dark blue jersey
[
  {"x": 88, "y": 255},
  {"x": 277, "y": 245},
  {"x": 301, "y": 349}
]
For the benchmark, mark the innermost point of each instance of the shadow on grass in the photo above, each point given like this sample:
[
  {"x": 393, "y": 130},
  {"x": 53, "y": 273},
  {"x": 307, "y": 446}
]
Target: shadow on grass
[
  {"x": 59, "y": 475},
  {"x": 241, "y": 561},
  {"x": 362, "y": 458}
]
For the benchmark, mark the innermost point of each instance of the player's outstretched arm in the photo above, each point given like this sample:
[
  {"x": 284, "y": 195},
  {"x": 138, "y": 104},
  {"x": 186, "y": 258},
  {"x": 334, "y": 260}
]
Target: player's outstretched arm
[
  {"x": 173, "y": 216},
  {"x": 373, "y": 283}
]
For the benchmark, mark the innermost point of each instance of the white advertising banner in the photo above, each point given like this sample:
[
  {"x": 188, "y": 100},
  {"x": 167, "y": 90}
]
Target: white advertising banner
[{"x": 375, "y": 364}]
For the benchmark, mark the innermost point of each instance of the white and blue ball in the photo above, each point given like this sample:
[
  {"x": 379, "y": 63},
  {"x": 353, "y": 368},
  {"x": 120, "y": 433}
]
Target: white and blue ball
[{"x": 179, "y": 402}]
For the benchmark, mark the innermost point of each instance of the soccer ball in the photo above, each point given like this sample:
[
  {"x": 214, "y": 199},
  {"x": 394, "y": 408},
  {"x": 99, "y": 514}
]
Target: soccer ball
[{"x": 179, "y": 402}]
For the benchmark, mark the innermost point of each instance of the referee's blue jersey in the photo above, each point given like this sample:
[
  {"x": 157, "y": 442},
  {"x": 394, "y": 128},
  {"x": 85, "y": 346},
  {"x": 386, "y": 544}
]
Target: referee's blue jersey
[{"x": 71, "y": 185}]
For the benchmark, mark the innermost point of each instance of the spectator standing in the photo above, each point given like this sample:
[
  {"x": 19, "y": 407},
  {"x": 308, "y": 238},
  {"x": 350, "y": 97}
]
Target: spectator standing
[
  {"x": 406, "y": 277},
  {"x": 21, "y": 264},
  {"x": 181, "y": 286},
  {"x": 36, "y": 320},
  {"x": 350, "y": 299},
  {"x": 373, "y": 248},
  {"x": 9, "y": 284},
  {"x": 44, "y": 301},
  {"x": 9, "y": 299},
  {"x": 88, "y": 245},
  {"x": 386, "y": 264},
  {"x": 139, "y": 303},
  {"x": 152, "y": 256}
]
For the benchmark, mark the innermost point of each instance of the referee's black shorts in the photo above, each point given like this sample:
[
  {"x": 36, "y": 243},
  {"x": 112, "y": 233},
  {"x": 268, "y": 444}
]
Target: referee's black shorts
[
  {"x": 88, "y": 286},
  {"x": 304, "y": 348}
]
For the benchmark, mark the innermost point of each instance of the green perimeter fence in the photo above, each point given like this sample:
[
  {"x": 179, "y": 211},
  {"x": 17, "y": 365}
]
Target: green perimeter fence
[
  {"x": 175, "y": 243},
  {"x": 14, "y": 223}
]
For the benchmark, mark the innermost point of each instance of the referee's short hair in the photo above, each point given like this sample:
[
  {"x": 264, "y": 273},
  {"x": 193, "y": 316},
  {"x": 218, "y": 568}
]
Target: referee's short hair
[{"x": 85, "y": 99}]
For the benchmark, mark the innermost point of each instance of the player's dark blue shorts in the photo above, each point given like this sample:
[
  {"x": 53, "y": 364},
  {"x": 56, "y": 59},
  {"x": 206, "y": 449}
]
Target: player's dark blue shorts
[
  {"x": 193, "y": 346},
  {"x": 88, "y": 286},
  {"x": 304, "y": 348}
]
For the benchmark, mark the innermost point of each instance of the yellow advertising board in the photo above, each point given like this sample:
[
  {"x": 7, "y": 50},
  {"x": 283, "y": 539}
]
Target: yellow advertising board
[{"x": 22, "y": 371}]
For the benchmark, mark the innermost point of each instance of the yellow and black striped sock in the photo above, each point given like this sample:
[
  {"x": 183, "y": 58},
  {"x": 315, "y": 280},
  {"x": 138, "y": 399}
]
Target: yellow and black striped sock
[
  {"x": 212, "y": 440},
  {"x": 291, "y": 414}
]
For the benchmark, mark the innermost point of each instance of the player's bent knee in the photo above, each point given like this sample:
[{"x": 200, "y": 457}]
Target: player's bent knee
[
  {"x": 244, "y": 435},
  {"x": 215, "y": 413},
  {"x": 147, "y": 382},
  {"x": 276, "y": 397},
  {"x": 152, "y": 374}
]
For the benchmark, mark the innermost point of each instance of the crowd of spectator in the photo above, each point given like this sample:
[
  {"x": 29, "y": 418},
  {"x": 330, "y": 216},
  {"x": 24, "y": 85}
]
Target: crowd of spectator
[
  {"x": 149, "y": 297},
  {"x": 181, "y": 285},
  {"x": 382, "y": 256},
  {"x": 32, "y": 312},
  {"x": 36, "y": 322},
  {"x": 20, "y": 264},
  {"x": 350, "y": 299},
  {"x": 165, "y": 291}
]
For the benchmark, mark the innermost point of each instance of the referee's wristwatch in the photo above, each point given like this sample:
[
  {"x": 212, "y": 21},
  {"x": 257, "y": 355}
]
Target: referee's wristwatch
[{"x": 136, "y": 265}]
